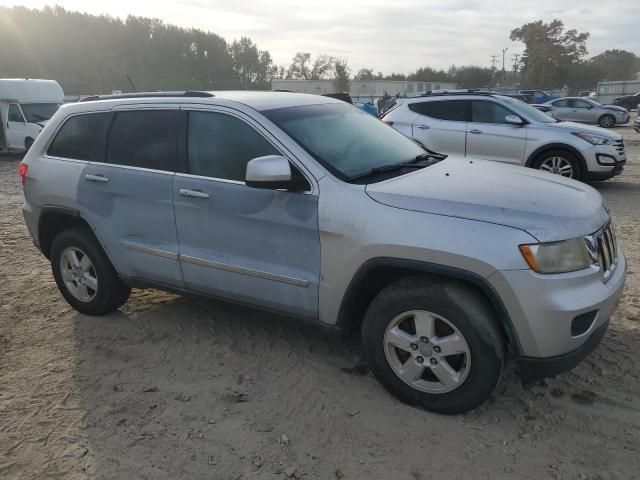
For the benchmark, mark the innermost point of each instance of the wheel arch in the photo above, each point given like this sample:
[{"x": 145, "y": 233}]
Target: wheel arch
[
  {"x": 54, "y": 220},
  {"x": 557, "y": 146},
  {"x": 377, "y": 273}
]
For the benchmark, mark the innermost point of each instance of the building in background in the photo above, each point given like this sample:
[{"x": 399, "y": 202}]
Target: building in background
[{"x": 362, "y": 90}]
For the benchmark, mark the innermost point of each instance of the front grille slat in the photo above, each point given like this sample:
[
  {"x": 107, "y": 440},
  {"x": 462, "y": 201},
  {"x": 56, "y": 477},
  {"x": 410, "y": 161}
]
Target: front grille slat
[
  {"x": 605, "y": 242},
  {"x": 619, "y": 146}
]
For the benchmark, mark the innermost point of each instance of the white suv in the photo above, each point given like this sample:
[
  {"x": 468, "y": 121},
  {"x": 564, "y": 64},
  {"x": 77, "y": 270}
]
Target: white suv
[{"x": 494, "y": 127}]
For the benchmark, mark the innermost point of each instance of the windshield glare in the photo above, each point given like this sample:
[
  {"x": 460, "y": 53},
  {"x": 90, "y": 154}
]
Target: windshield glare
[
  {"x": 526, "y": 110},
  {"x": 346, "y": 140},
  {"x": 38, "y": 112}
]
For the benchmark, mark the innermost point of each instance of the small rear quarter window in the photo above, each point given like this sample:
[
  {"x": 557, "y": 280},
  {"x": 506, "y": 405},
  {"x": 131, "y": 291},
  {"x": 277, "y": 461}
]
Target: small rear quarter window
[{"x": 81, "y": 137}]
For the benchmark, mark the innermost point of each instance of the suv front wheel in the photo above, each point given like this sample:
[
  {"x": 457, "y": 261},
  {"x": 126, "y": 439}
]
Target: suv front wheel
[
  {"x": 559, "y": 162},
  {"x": 84, "y": 274},
  {"x": 434, "y": 344}
]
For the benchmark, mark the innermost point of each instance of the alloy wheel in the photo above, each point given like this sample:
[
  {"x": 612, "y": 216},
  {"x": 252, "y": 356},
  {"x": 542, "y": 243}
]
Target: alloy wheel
[
  {"x": 427, "y": 352},
  {"x": 78, "y": 274},
  {"x": 558, "y": 165}
]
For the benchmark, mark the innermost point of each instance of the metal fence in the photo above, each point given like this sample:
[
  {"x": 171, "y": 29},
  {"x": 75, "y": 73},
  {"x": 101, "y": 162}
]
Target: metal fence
[{"x": 607, "y": 91}]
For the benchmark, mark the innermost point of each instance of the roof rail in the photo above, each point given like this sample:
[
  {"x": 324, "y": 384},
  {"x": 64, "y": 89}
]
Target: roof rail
[
  {"x": 469, "y": 91},
  {"x": 187, "y": 93}
]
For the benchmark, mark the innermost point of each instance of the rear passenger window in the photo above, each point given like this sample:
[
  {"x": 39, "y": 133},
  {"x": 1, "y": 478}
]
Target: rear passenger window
[
  {"x": 483, "y": 111},
  {"x": 219, "y": 145},
  {"x": 453, "y": 110},
  {"x": 81, "y": 137},
  {"x": 144, "y": 139}
]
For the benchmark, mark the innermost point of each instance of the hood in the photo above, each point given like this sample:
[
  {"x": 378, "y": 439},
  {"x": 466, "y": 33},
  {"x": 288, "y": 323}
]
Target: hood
[
  {"x": 583, "y": 127},
  {"x": 614, "y": 108},
  {"x": 547, "y": 206}
]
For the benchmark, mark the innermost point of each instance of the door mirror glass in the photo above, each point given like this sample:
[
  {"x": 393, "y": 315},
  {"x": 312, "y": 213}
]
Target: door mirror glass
[
  {"x": 513, "y": 120},
  {"x": 271, "y": 172}
]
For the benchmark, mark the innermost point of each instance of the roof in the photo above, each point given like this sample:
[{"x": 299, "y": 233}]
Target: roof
[
  {"x": 30, "y": 90},
  {"x": 258, "y": 100}
]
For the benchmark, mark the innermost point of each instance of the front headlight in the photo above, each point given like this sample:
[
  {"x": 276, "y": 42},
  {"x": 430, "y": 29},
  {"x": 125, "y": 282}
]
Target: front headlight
[
  {"x": 594, "y": 139},
  {"x": 558, "y": 257}
]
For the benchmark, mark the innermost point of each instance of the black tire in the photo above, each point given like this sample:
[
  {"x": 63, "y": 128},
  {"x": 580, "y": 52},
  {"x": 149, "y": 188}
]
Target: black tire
[
  {"x": 565, "y": 154},
  {"x": 607, "y": 121},
  {"x": 111, "y": 293},
  {"x": 27, "y": 144},
  {"x": 464, "y": 307}
]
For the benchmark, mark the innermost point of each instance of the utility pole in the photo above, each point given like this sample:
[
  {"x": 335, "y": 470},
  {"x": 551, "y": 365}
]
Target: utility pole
[
  {"x": 515, "y": 61},
  {"x": 504, "y": 50},
  {"x": 494, "y": 60}
]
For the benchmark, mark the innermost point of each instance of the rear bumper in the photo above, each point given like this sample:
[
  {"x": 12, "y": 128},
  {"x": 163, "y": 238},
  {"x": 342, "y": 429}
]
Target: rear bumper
[{"x": 532, "y": 368}]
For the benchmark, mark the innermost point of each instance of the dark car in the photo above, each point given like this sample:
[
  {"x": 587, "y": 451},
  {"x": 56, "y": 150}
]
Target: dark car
[
  {"x": 345, "y": 97},
  {"x": 630, "y": 102}
]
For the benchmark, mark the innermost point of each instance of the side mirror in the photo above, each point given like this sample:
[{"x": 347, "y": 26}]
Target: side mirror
[
  {"x": 271, "y": 172},
  {"x": 513, "y": 120}
]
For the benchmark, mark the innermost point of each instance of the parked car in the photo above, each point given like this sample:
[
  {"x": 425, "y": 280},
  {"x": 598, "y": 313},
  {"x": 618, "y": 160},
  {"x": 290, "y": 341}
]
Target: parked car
[
  {"x": 585, "y": 110},
  {"x": 628, "y": 101},
  {"x": 520, "y": 96},
  {"x": 306, "y": 205},
  {"x": 345, "y": 97},
  {"x": 539, "y": 96},
  {"x": 25, "y": 106},
  {"x": 494, "y": 127},
  {"x": 636, "y": 124}
]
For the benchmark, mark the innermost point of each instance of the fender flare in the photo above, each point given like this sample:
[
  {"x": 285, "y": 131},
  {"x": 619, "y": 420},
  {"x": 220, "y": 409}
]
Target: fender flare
[{"x": 443, "y": 270}]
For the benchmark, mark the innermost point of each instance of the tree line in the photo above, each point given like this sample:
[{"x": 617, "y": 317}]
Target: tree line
[{"x": 89, "y": 54}]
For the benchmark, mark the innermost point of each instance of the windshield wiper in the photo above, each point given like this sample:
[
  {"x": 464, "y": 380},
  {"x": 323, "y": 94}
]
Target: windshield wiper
[{"x": 417, "y": 162}]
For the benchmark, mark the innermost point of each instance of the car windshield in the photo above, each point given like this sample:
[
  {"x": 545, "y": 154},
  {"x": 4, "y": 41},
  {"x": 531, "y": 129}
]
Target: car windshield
[
  {"x": 346, "y": 140},
  {"x": 38, "y": 112},
  {"x": 529, "y": 112}
]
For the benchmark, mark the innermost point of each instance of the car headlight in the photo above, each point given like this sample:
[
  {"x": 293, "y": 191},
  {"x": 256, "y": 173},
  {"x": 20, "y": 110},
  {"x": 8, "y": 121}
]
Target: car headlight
[
  {"x": 558, "y": 257},
  {"x": 594, "y": 139}
]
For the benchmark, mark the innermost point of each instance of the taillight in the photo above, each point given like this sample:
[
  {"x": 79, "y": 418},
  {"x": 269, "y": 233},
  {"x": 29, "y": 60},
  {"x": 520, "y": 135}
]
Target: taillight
[{"x": 22, "y": 171}]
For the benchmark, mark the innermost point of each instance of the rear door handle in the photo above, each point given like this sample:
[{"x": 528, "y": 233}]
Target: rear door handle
[
  {"x": 475, "y": 131},
  {"x": 193, "y": 193},
  {"x": 96, "y": 178},
  {"x": 424, "y": 127}
]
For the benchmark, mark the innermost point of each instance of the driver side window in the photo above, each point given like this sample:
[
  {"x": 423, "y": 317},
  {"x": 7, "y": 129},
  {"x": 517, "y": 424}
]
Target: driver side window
[
  {"x": 488, "y": 112},
  {"x": 15, "y": 115},
  {"x": 579, "y": 104}
]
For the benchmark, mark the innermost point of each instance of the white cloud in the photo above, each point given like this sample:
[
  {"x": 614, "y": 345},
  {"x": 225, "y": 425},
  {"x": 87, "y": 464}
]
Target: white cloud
[{"x": 399, "y": 35}]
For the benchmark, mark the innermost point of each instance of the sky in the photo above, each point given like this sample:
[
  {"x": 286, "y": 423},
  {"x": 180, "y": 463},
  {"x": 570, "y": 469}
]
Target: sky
[{"x": 386, "y": 35}]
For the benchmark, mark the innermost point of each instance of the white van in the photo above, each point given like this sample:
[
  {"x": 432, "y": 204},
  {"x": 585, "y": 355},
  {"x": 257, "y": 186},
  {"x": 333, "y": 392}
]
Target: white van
[{"x": 25, "y": 106}]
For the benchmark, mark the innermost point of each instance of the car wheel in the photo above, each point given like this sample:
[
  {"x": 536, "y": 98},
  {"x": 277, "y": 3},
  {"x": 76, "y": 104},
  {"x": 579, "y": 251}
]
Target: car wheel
[
  {"x": 434, "y": 344},
  {"x": 84, "y": 274},
  {"x": 559, "y": 162},
  {"x": 607, "y": 121}
]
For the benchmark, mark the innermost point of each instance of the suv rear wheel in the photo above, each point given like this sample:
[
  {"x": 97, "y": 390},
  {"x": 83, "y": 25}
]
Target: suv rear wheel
[
  {"x": 84, "y": 274},
  {"x": 559, "y": 162},
  {"x": 434, "y": 345}
]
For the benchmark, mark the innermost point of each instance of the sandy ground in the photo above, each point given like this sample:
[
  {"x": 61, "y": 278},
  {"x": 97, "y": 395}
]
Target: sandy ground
[{"x": 174, "y": 388}]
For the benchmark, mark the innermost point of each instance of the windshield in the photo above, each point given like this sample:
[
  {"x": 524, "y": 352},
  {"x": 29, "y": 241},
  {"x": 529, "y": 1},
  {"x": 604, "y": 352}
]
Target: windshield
[
  {"x": 529, "y": 112},
  {"x": 346, "y": 140},
  {"x": 37, "y": 112}
]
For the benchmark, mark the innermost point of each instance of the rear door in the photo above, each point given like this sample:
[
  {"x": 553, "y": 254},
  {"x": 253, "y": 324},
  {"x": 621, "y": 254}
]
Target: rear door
[
  {"x": 441, "y": 125},
  {"x": 562, "y": 110},
  {"x": 251, "y": 245},
  {"x": 127, "y": 194},
  {"x": 16, "y": 127},
  {"x": 490, "y": 137}
]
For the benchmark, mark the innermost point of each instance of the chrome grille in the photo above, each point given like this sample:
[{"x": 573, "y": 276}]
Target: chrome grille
[
  {"x": 619, "y": 146},
  {"x": 605, "y": 243}
]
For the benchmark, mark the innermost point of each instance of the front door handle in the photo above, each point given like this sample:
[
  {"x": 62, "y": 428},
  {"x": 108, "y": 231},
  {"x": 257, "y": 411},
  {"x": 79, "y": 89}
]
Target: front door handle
[
  {"x": 96, "y": 178},
  {"x": 193, "y": 193},
  {"x": 475, "y": 131},
  {"x": 424, "y": 127}
]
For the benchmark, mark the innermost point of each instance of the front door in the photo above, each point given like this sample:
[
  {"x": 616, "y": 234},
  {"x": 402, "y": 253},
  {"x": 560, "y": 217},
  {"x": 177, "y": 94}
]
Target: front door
[
  {"x": 251, "y": 245},
  {"x": 127, "y": 195},
  {"x": 582, "y": 111},
  {"x": 16, "y": 127},
  {"x": 441, "y": 125},
  {"x": 490, "y": 137}
]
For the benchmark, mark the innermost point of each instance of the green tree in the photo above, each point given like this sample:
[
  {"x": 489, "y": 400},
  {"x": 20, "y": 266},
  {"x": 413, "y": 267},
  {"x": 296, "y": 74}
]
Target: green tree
[
  {"x": 302, "y": 68},
  {"x": 550, "y": 52},
  {"x": 617, "y": 65},
  {"x": 254, "y": 68},
  {"x": 341, "y": 81},
  {"x": 364, "y": 74},
  {"x": 470, "y": 76}
]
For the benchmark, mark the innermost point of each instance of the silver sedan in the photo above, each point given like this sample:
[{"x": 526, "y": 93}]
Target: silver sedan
[{"x": 585, "y": 110}]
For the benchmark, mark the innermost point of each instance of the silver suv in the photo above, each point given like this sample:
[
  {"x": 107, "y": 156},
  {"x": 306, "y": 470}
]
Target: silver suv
[
  {"x": 495, "y": 127},
  {"x": 306, "y": 205}
]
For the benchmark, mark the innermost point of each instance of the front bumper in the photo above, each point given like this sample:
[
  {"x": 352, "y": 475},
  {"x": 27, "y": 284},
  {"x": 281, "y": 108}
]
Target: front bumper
[
  {"x": 604, "y": 161},
  {"x": 543, "y": 308},
  {"x": 636, "y": 125}
]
